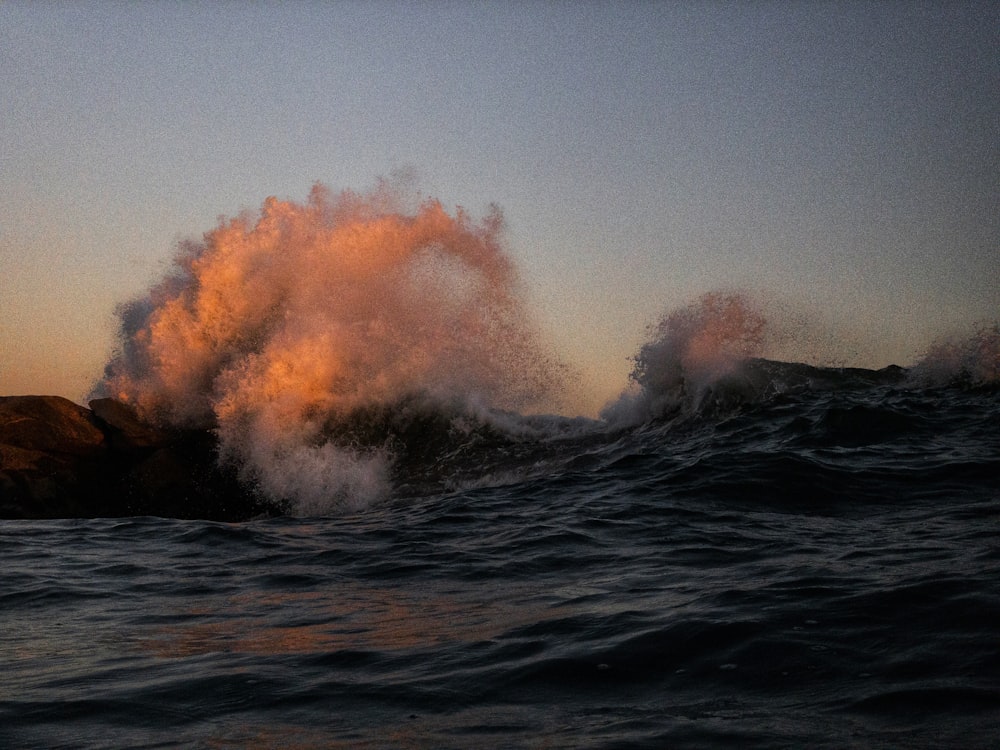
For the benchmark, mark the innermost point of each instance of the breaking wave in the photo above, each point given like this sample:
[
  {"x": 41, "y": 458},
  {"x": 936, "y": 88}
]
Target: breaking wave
[
  {"x": 964, "y": 360},
  {"x": 280, "y": 324},
  {"x": 690, "y": 352},
  {"x": 353, "y": 345}
]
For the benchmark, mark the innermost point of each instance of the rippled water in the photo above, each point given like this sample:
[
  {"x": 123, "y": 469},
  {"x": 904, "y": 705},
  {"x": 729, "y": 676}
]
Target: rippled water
[{"x": 817, "y": 571}]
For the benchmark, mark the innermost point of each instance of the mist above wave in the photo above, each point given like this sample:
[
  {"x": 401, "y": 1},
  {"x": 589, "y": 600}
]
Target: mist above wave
[{"x": 279, "y": 322}]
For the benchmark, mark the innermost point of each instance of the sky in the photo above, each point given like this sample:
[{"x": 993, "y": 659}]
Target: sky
[{"x": 841, "y": 159}]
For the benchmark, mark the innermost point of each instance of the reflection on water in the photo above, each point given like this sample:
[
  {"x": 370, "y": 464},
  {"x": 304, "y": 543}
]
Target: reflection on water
[{"x": 350, "y": 618}]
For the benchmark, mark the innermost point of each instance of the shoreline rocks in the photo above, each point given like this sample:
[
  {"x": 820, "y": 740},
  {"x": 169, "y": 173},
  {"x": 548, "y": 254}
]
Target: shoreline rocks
[{"x": 61, "y": 460}]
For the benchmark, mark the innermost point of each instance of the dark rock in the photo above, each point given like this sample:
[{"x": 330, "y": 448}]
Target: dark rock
[
  {"x": 36, "y": 484},
  {"x": 51, "y": 452},
  {"x": 60, "y": 460},
  {"x": 51, "y": 424},
  {"x": 124, "y": 428}
]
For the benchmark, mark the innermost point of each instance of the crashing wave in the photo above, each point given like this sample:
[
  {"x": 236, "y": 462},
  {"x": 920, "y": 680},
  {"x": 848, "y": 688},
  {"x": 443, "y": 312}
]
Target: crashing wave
[
  {"x": 969, "y": 361},
  {"x": 277, "y": 323}
]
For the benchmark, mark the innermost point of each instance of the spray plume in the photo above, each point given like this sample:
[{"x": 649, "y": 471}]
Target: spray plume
[{"x": 278, "y": 324}]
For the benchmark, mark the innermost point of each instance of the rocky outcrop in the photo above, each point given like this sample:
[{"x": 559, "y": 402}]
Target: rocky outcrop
[{"x": 60, "y": 460}]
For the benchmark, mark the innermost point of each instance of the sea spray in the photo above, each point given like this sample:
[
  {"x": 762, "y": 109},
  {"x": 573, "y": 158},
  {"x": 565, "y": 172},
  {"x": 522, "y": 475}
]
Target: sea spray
[
  {"x": 691, "y": 349},
  {"x": 277, "y": 325},
  {"x": 972, "y": 360}
]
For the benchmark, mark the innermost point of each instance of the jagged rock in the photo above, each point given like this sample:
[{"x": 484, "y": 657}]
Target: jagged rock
[
  {"x": 60, "y": 460},
  {"x": 50, "y": 455}
]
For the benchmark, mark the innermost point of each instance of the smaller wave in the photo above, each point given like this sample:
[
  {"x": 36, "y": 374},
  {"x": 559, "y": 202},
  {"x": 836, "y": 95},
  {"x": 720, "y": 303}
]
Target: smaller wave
[
  {"x": 968, "y": 361},
  {"x": 708, "y": 358},
  {"x": 691, "y": 350}
]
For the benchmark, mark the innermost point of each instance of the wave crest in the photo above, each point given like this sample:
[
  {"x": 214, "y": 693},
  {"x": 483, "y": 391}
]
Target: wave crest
[
  {"x": 691, "y": 350},
  {"x": 277, "y": 320},
  {"x": 972, "y": 360}
]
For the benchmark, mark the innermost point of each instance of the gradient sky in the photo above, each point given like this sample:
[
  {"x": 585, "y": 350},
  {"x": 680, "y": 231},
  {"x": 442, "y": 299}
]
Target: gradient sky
[{"x": 841, "y": 158}]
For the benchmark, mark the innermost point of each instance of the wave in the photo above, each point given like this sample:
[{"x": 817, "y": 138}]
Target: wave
[
  {"x": 706, "y": 358},
  {"x": 961, "y": 360},
  {"x": 277, "y": 322},
  {"x": 356, "y": 345},
  {"x": 691, "y": 350}
]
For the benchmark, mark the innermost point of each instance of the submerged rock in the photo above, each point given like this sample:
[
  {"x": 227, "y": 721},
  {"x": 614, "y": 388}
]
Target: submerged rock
[{"x": 61, "y": 460}]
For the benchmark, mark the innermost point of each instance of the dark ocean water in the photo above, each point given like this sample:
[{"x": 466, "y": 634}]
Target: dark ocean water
[{"x": 819, "y": 568}]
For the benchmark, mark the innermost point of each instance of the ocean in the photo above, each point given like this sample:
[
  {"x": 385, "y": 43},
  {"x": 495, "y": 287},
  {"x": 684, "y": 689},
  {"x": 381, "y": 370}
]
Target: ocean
[
  {"x": 735, "y": 552},
  {"x": 815, "y": 564}
]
